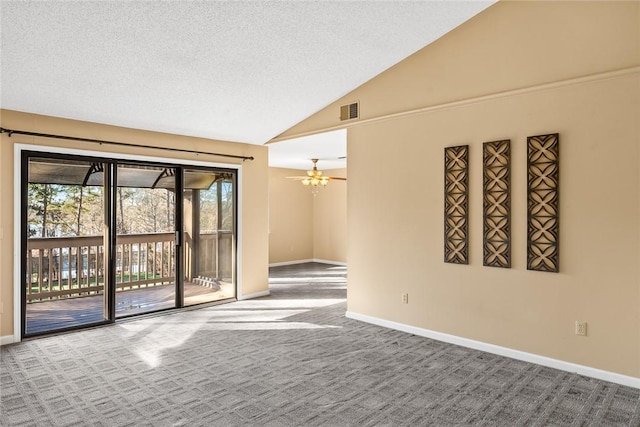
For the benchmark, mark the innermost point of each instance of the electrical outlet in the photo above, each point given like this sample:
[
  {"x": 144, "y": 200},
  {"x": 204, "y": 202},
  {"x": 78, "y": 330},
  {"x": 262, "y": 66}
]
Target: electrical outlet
[
  {"x": 405, "y": 298},
  {"x": 581, "y": 328}
]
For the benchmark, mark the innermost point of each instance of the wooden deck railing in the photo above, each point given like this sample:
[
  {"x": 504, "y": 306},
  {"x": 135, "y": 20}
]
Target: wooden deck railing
[
  {"x": 63, "y": 267},
  {"x": 145, "y": 260},
  {"x": 212, "y": 245}
]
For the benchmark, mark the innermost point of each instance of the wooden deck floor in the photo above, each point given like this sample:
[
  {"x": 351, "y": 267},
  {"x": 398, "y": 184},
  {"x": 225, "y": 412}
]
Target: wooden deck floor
[{"x": 66, "y": 313}]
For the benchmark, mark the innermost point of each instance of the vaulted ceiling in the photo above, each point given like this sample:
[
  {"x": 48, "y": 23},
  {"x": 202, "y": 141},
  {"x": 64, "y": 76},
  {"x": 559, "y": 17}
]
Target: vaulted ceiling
[{"x": 242, "y": 71}]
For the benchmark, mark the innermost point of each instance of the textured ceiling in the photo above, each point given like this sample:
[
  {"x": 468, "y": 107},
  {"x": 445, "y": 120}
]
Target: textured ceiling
[{"x": 237, "y": 71}]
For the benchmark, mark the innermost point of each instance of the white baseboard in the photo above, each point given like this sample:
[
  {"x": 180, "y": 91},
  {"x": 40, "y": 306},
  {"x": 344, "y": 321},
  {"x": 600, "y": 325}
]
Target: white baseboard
[
  {"x": 325, "y": 261},
  {"x": 265, "y": 293},
  {"x": 7, "y": 339},
  {"x": 304, "y": 261},
  {"x": 281, "y": 264},
  {"x": 502, "y": 351}
]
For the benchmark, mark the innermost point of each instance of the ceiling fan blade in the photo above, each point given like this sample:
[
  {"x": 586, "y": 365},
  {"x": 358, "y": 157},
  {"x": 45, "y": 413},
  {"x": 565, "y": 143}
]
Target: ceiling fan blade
[{"x": 337, "y": 178}]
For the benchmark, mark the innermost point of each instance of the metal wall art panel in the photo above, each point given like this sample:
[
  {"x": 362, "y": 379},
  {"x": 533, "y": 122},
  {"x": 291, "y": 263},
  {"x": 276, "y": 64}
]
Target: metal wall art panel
[
  {"x": 456, "y": 204},
  {"x": 543, "y": 229},
  {"x": 497, "y": 203}
]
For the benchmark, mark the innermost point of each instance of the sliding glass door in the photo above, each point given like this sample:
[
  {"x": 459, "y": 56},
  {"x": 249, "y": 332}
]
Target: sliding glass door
[
  {"x": 106, "y": 239},
  {"x": 209, "y": 229},
  {"x": 145, "y": 253},
  {"x": 65, "y": 265}
]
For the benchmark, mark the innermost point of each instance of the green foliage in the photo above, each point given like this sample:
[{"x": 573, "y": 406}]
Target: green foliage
[
  {"x": 56, "y": 210},
  {"x": 44, "y": 209}
]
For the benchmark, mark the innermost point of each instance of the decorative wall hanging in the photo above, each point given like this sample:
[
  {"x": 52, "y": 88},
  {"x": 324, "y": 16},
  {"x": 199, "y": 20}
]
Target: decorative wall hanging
[
  {"x": 456, "y": 204},
  {"x": 497, "y": 204},
  {"x": 542, "y": 203}
]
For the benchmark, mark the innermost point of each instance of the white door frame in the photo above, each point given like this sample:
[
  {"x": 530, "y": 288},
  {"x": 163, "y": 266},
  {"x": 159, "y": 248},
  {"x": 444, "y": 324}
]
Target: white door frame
[{"x": 17, "y": 204}]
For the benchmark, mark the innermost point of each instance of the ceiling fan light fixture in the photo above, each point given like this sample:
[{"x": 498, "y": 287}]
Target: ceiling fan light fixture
[{"x": 315, "y": 179}]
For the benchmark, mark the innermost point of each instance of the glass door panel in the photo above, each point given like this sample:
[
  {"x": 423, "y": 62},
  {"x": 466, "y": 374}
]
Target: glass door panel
[
  {"x": 100, "y": 239},
  {"x": 209, "y": 232},
  {"x": 65, "y": 261},
  {"x": 145, "y": 250}
]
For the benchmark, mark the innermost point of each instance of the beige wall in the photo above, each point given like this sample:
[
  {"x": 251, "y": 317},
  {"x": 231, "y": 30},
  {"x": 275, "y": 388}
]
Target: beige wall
[
  {"x": 290, "y": 217},
  {"x": 529, "y": 311},
  {"x": 303, "y": 226},
  {"x": 330, "y": 220},
  {"x": 254, "y": 191},
  {"x": 517, "y": 69}
]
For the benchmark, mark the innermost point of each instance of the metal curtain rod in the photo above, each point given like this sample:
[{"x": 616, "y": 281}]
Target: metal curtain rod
[{"x": 124, "y": 144}]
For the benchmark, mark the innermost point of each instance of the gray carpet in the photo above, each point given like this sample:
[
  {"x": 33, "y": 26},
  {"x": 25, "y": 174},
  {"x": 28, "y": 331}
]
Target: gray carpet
[{"x": 291, "y": 359}]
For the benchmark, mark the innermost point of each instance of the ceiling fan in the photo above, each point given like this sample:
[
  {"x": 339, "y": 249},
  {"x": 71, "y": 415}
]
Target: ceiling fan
[{"x": 315, "y": 179}]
